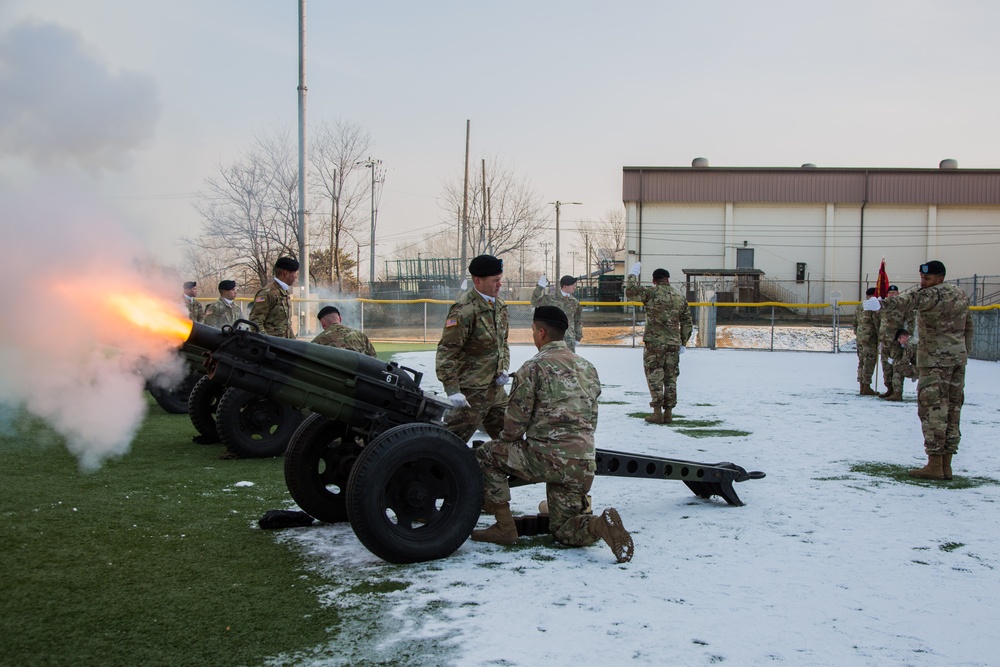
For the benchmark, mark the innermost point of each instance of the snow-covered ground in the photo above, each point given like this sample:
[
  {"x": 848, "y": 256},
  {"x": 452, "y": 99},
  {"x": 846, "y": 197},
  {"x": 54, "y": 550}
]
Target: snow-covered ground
[{"x": 823, "y": 566}]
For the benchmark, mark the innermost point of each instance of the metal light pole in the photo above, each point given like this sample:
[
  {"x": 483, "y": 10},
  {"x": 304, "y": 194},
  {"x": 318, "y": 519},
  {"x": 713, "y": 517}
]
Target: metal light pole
[
  {"x": 373, "y": 165},
  {"x": 303, "y": 193},
  {"x": 557, "y": 204}
]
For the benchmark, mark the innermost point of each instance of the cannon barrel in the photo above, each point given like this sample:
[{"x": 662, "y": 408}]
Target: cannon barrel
[{"x": 345, "y": 386}]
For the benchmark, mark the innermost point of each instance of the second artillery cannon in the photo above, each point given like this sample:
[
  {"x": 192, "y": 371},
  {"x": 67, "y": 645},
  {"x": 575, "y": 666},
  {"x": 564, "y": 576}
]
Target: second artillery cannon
[{"x": 375, "y": 451}]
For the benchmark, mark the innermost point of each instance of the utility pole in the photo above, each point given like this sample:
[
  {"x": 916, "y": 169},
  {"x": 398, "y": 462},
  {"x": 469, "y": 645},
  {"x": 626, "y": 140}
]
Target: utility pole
[
  {"x": 558, "y": 204},
  {"x": 306, "y": 321},
  {"x": 465, "y": 202},
  {"x": 545, "y": 264},
  {"x": 373, "y": 165}
]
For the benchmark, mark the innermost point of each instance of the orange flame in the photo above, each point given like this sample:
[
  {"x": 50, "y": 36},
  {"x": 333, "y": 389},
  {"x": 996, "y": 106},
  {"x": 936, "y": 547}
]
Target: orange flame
[{"x": 151, "y": 314}]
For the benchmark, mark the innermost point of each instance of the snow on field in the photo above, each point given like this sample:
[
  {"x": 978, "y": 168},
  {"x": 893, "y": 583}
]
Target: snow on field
[{"x": 823, "y": 566}]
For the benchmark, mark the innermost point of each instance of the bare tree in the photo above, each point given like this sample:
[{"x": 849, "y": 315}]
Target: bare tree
[
  {"x": 249, "y": 211},
  {"x": 503, "y": 216},
  {"x": 603, "y": 238},
  {"x": 341, "y": 187}
]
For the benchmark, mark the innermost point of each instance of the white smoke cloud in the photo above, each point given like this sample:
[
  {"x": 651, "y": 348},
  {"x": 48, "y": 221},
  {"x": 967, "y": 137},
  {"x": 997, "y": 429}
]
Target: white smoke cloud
[{"x": 60, "y": 105}]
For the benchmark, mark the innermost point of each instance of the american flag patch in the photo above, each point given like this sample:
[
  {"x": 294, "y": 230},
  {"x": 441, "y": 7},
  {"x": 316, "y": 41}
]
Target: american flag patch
[
  {"x": 260, "y": 299},
  {"x": 451, "y": 323}
]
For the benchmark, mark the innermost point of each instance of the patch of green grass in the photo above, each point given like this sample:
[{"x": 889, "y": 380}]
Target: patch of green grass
[
  {"x": 839, "y": 478},
  {"x": 950, "y": 546},
  {"x": 613, "y": 402},
  {"x": 695, "y": 423},
  {"x": 898, "y": 473},
  {"x": 705, "y": 405},
  {"x": 643, "y": 415},
  {"x": 713, "y": 432},
  {"x": 369, "y": 586},
  {"x": 154, "y": 559},
  {"x": 386, "y": 349}
]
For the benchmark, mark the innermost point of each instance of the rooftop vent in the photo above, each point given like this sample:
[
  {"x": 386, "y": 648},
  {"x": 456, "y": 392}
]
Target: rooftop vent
[
  {"x": 699, "y": 162},
  {"x": 948, "y": 163},
  {"x": 809, "y": 165}
]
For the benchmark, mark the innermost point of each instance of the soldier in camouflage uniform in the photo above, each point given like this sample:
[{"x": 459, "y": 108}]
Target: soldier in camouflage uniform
[
  {"x": 906, "y": 366},
  {"x": 891, "y": 352},
  {"x": 668, "y": 328},
  {"x": 866, "y": 325},
  {"x": 548, "y": 436},
  {"x": 271, "y": 309},
  {"x": 564, "y": 301},
  {"x": 945, "y": 332},
  {"x": 196, "y": 311},
  {"x": 225, "y": 310},
  {"x": 473, "y": 356},
  {"x": 335, "y": 334}
]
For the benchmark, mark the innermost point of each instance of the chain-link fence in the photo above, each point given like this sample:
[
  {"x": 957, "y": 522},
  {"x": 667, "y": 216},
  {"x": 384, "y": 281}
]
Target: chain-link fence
[{"x": 802, "y": 327}]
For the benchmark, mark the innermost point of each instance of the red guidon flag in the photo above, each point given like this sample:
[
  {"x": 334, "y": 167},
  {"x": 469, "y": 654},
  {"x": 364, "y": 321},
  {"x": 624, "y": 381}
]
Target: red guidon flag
[{"x": 882, "y": 285}]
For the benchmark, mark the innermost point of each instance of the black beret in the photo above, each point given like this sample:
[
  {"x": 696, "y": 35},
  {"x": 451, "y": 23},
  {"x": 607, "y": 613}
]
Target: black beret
[
  {"x": 485, "y": 266},
  {"x": 189, "y": 284},
  {"x": 551, "y": 315},
  {"x": 933, "y": 267},
  {"x": 893, "y": 288},
  {"x": 900, "y": 332},
  {"x": 660, "y": 273},
  {"x": 286, "y": 264},
  {"x": 567, "y": 280},
  {"x": 870, "y": 291},
  {"x": 326, "y": 310},
  {"x": 227, "y": 285}
]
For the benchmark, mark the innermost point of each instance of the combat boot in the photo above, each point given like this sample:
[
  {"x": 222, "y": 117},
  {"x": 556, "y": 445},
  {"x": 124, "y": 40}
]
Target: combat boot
[
  {"x": 656, "y": 417},
  {"x": 866, "y": 390},
  {"x": 609, "y": 528},
  {"x": 887, "y": 393},
  {"x": 668, "y": 415},
  {"x": 933, "y": 469},
  {"x": 946, "y": 466},
  {"x": 503, "y": 531},
  {"x": 894, "y": 396}
]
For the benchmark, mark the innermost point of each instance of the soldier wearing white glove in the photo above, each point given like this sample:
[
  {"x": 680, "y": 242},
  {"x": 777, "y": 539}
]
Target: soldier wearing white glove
[
  {"x": 543, "y": 282},
  {"x": 458, "y": 400},
  {"x": 635, "y": 270}
]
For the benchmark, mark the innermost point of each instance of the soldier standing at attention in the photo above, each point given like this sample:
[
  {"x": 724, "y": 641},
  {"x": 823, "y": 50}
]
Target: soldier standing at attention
[
  {"x": 892, "y": 352},
  {"x": 866, "y": 325},
  {"x": 225, "y": 310},
  {"x": 906, "y": 367},
  {"x": 564, "y": 301},
  {"x": 945, "y": 332},
  {"x": 548, "y": 436},
  {"x": 335, "y": 334},
  {"x": 473, "y": 356},
  {"x": 196, "y": 311},
  {"x": 271, "y": 309},
  {"x": 668, "y": 328}
]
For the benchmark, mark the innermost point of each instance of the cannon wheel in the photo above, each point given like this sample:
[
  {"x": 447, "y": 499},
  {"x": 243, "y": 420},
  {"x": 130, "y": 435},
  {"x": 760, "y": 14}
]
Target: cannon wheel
[
  {"x": 414, "y": 494},
  {"x": 175, "y": 399},
  {"x": 317, "y": 466},
  {"x": 253, "y": 426},
  {"x": 202, "y": 405}
]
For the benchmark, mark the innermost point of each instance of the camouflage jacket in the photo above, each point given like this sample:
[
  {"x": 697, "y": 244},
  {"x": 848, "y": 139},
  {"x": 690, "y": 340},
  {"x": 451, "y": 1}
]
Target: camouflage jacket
[
  {"x": 196, "y": 311},
  {"x": 866, "y": 326},
  {"x": 271, "y": 310},
  {"x": 668, "y": 320},
  {"x": 553, "y": 404},
  {"x": 346, "y": 338},
  {"x": 219, "y": 313},
  {"x": 943, "y": 323},
  {"x": 567, "y": 304},
  {"x": 473, "y": 348},
  {"x": 892, "y": 321}
]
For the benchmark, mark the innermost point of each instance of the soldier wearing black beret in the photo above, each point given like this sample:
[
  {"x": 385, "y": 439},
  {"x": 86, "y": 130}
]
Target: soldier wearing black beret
[
  {"x": 271, "y": 309},
  {"x": 196, "y": 311},
  {"x": 564, "y": 300},
  {"x": 473, "y": 355},
  {"x": 225, "y": 310}
]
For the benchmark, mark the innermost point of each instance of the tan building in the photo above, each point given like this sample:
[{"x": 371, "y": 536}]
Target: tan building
[{"x": 812, "y": 232}]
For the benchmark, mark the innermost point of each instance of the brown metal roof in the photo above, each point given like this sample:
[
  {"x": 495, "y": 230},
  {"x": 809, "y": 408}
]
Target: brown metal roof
[{"x": 811, "y": 185}]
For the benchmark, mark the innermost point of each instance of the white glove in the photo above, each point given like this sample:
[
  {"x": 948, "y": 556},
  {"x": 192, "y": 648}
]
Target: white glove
[
  {"x": 503, "y": 378},
  {"x": 459, "y": 401},
  {"x": 543, "y": 281},
  {"x": 682, "y": 350},
  {"x": 636, "y": 268},
  {"x": 872, "y": 304},
  {"x": 889, "y": 360},
  {"x": 465, "y": 284}
]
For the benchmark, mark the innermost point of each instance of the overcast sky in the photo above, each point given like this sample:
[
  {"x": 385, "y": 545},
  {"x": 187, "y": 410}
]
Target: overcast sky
[{"x": 145, "y": 99}]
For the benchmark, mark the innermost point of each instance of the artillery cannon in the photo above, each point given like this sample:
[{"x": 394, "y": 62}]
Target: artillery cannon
[{"x": 376, "y": 453}]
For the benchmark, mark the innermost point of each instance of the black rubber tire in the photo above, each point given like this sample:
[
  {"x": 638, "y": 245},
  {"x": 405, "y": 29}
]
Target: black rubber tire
[
  {"x": 255, "y": 427},
  {"x": 317, "y": 466},
  {"x": 202, "y": 406},
  {"x": 414, "y": 494},
  {"x": 175, "y": 399}
]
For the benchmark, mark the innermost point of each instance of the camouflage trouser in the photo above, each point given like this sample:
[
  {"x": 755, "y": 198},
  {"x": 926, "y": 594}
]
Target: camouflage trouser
[
  {"x": 662, "y": 366},
  {"x": 940, "y": 396},
  {"x": 890, "y": 353},
  {"x": 487, "y": 409},
  {"x": 867, "y": 357},
  {"x": 567, "y": 483}
]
